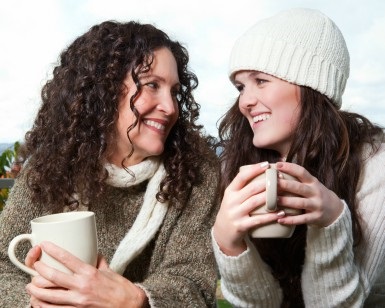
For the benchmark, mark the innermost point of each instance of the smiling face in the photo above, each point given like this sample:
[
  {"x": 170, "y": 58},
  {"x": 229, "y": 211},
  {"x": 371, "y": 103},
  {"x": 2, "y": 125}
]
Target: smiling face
[
  {"x": 158, "y": 109},
  {"x": 272, "y": 107}
]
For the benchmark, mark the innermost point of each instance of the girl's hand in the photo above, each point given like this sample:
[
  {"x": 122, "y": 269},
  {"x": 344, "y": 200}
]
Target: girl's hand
[
  {"x": 240, "y": 198},
  {"x": 86, "y": 287},
  {"x": 321, "y": 206}
]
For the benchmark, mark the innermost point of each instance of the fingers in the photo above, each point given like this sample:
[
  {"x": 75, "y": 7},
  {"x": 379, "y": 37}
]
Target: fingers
[
  {"x": 67, "y": 259},
  {"x": 295, "y": 170},
  {"x": 229, "y": 234},
  {"x": 41, "y": 282},
  {"x": 320, "y": 205},
  {"x": 36, "y": 303},
  {"x": 321, "y": 208},
  {"x": 57, "y": 277},
  {"x": 246, "y": 174},
  {"x": 260, "y": 220},
  {"x": 102, "y": 264},
  {"x": 241, "y": 189},
  {"x": 32, "y": 256},
  {"x": 42, "y": 297}
]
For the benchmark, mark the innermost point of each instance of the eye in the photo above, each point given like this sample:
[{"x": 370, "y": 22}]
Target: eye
[
  {"x": 239, "y": 87},
  {"x": 260, "y": 81},
  {"x": 154, "y": 85}
]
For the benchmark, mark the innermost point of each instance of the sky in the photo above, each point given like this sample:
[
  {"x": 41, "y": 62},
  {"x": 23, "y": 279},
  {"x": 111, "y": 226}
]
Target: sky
[{"x": 33, "y": 33}]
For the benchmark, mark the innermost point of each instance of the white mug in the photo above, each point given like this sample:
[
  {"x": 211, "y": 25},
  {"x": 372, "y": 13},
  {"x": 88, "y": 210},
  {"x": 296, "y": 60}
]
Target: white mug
[
  {"x": 72, "y": 231},
  {"x": 273, "y": 229}
]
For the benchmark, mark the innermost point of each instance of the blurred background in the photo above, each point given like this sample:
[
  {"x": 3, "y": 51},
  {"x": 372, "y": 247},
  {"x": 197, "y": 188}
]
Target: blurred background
[{"x": 33, "y": 33}]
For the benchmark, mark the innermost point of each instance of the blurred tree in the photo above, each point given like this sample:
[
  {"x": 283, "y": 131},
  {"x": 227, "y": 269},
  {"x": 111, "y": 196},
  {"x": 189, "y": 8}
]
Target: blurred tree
[{"x": 8, "y": 169}]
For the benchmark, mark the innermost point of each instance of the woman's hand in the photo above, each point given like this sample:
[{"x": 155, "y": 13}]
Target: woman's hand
[
  {"x": 240, "y": 198},
  {"x": 321, "y": 206},
  {"x": 86, "y": 287},
  {"x": 32, "y": 256}
]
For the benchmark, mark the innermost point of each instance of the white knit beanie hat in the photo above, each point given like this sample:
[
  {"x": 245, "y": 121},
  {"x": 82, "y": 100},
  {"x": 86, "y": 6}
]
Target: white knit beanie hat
[{"x": 302, "y": 46}]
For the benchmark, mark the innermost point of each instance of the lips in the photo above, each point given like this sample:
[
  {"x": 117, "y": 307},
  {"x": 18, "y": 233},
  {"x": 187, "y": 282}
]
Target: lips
[{"x": 261, "y": 117}]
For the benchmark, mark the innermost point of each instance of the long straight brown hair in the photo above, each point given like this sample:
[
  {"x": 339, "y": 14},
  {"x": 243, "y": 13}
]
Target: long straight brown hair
[{"x": 328, "y": 143}]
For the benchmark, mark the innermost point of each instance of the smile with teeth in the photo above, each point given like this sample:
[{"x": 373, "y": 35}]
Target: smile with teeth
[
  {"x": 155, "y": 124},
  {"x": 261, "y": 117}
]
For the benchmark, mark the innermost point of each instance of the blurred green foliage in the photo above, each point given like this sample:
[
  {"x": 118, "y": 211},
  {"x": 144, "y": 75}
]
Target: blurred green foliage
[{"x": 7, "y": 159}]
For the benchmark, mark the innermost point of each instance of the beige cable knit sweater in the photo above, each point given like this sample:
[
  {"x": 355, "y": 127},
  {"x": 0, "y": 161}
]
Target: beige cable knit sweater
[
  {"x": 335, "y": 274},
  {"x": 176, "y": 269}
]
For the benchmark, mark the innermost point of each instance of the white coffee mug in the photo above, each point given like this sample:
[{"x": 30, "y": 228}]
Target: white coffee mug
[
  {"x": 273, "y": 229},
  {"x": 72, "y": 231}
]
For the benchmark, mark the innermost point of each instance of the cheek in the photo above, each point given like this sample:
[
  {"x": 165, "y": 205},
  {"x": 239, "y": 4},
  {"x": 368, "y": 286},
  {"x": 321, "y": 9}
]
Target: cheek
[
  {"x": 291, "y": 118},
  {"x": 126, "y": 118},
  {"x": 291, "y": 108},
  {"x": 242, "y": 110}
]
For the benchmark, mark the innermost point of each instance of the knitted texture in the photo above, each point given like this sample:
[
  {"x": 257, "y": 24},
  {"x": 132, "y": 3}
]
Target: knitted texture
[
  {"x": 335, "y": 274},
  {"x": 302, "y": 46},
  {"x": 151, "y": 214},
  {"x": 176, "y": 268}
]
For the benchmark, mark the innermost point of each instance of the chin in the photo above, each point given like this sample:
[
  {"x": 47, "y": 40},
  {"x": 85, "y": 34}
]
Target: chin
[
  {"x": 156, "y": 152},
  {"x": 258, "y": 143}
]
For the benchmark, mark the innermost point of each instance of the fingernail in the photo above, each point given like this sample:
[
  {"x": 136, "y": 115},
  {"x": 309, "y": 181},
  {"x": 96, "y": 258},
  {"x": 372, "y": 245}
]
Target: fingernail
[
  {"x": 281, "y": 214},
  {"x": 264, "y": 164},
  {"x": 279, "y": 165}
]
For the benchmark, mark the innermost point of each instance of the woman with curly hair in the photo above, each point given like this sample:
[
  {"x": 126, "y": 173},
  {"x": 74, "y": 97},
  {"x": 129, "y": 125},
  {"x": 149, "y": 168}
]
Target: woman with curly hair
[
  {"x": 116, "y": 135},
  {"x": 290, "y": 71}
]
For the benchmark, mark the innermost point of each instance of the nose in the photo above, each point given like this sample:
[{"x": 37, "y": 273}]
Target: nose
[
  {"x": 248, "y": 98},
  {"x": 167, "y": 104}
]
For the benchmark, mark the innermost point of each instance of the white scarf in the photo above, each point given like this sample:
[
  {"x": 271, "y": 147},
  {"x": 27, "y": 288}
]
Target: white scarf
[{"x": 151, "y": 214}]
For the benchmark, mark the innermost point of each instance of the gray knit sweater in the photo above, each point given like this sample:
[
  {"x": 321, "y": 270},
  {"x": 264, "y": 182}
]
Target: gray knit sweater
[
  {"x": 334, "y": 274},
  {"x": 176, "y": 269}
]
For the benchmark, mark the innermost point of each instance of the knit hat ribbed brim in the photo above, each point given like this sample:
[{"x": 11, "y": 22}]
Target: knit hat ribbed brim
[{"x": 302, "y": 46}]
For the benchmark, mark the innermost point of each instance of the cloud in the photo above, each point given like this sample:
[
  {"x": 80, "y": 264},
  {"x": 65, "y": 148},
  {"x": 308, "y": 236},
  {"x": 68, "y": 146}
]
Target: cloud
[
  {"x": 365, "y": 93},
  {"x": 34, "y": 33}
]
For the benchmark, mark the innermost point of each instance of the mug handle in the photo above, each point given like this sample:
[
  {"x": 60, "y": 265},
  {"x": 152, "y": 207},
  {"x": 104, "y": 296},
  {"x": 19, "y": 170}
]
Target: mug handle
[
  {"x": 11, "y": 253},
  {"x": 271, "y": 189}
]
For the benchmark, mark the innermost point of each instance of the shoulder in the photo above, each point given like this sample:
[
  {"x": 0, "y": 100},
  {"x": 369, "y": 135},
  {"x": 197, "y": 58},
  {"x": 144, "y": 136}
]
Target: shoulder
[
  {"x": 372, "y": 176},
  {"x": 373, "y": 158}
]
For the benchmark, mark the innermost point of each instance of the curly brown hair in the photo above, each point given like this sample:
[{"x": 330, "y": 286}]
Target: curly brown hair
[
  {"x": 67, "y": 147},
  {"x": 328, "y": 143}
]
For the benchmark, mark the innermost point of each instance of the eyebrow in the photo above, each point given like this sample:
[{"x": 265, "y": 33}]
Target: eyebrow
[
  {"x": 255, "y": 73},
  {"x": 252, "y": 74}
]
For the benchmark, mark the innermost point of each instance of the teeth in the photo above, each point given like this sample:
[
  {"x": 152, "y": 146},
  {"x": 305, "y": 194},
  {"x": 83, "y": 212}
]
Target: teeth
[
  {"x": 262, "y": 117},
  {"x": 154, "y": 124}
]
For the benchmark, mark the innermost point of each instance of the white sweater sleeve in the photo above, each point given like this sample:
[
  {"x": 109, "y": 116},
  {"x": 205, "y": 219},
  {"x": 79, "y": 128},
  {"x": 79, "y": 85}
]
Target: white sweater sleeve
[
  {"x": 246, "y": 281},
  {"x": 335, "y": 274}
]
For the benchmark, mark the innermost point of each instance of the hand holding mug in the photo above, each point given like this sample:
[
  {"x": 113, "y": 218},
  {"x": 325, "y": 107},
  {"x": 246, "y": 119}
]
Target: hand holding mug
[
  {"x": 319, "y": 205},
  {"x": 241, "y": 197},
  {"x": 273, "y": 229},
  {"x": 97, "y": 286},
  {"x": 73, "y": 231}
]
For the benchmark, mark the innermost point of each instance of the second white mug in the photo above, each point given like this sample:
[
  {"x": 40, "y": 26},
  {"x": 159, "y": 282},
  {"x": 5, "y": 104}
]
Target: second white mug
[
  {"x": 274, "y": 229},
  {"x": 72, "y": 231}
]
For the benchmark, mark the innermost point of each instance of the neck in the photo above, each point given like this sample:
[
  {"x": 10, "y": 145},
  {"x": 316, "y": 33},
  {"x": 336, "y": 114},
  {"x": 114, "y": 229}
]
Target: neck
[{"x": 125, "y": 161}]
